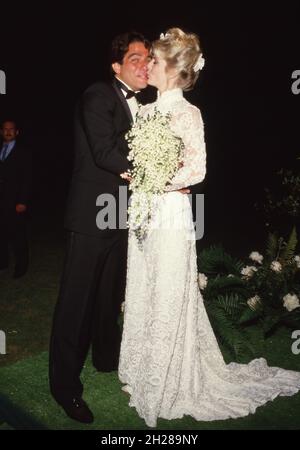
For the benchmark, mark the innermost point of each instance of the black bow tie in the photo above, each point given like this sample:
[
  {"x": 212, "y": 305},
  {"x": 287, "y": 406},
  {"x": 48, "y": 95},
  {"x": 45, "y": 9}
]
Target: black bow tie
[{"x": 129, "y": 92}]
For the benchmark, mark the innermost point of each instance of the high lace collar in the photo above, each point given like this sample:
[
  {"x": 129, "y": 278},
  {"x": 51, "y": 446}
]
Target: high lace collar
[{"x": 170, "y": 95}]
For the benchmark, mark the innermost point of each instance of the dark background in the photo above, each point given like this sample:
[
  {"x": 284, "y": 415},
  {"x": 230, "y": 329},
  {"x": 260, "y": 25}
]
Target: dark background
[{"x": 51, "y": 52}]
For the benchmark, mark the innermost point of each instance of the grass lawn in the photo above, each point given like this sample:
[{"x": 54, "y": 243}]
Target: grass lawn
[
  {"x": 26, "y": 304},
  {"x": 26, "y": 307}
]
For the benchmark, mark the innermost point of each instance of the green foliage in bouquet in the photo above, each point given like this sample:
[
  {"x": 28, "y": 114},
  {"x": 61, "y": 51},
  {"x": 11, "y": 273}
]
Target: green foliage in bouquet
[
  {"x": 238, "y": 295},
  {"x": 155, "y": 153}
]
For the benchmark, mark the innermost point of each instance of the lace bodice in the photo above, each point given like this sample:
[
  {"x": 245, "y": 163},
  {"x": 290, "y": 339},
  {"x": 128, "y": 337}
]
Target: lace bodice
[{"x": 187, "y": 124}]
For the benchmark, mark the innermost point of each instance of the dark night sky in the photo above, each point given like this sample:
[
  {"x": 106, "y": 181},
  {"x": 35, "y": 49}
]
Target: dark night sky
[{"x": 51, "y": 53}]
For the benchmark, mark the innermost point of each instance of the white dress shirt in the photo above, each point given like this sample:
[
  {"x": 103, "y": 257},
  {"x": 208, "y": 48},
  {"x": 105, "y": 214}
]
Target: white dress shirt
[{"x": 132, "y": 102}]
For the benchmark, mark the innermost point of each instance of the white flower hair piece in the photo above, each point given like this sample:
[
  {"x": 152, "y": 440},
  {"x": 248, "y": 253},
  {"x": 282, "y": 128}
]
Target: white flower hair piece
[
  {"x": 199, "y": 64},
  {"x": 163, "y": 36}
]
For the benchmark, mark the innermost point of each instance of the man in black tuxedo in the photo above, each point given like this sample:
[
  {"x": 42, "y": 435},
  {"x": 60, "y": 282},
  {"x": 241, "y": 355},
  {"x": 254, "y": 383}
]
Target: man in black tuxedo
[
  {"x": 15, "y": 185},
  {"x": 93, "y": 282}
]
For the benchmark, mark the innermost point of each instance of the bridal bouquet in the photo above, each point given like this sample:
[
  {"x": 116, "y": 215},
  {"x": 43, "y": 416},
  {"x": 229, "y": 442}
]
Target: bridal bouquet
[{"x": 155, "y": 153}]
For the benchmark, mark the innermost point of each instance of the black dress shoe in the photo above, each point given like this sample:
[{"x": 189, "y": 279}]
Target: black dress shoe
[{"x": 78, "y": 410}]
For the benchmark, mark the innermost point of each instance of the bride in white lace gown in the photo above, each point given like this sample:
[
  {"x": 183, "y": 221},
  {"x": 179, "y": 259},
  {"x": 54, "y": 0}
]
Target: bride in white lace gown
[{"x": 170, "y": 361}]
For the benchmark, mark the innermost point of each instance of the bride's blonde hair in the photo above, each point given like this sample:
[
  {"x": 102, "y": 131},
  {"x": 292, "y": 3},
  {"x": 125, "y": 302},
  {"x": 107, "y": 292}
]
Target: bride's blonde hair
[{"x": 181, "y": 51}]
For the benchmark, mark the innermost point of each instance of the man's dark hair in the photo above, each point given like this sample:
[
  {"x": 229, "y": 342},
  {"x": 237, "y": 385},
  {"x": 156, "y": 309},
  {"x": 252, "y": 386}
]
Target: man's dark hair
[{"x": 121, "y": 43}]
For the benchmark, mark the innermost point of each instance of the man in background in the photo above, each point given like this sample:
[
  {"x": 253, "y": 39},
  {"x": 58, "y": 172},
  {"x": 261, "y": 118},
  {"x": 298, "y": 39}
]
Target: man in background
[{"x": 15, "y": 185}]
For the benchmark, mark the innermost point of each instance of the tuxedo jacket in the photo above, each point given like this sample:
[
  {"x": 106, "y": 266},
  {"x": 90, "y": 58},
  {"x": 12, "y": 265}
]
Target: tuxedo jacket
[
  {"x": 102, "y": 118},
  {"x": 15, "y": 180}
]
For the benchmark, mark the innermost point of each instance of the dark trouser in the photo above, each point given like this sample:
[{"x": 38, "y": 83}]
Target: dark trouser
[
  {"x": 13, "y": 231},
  {"x": 92, "y": 290}
]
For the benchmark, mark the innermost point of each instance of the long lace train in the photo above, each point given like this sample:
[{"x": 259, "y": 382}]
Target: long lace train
[{"x": 170, "y": 361}]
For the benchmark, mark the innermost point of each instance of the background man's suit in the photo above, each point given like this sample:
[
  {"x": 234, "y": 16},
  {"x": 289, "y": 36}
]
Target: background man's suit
[{"x": 15, "y": 187}]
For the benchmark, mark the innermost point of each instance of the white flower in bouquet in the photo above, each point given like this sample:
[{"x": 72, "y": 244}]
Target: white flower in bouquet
[
  {"x": 248, "y": 271},
  {"x": 257, "y": 257},
  {"x": 155, "y": 152},
  {"x": 254, "y": 302},
  {"x": 276, "y": 266},
  {"x": 202, "y": 281},
  {"x": 290, "y": 302},
  {"x": 297, "y": 260}
]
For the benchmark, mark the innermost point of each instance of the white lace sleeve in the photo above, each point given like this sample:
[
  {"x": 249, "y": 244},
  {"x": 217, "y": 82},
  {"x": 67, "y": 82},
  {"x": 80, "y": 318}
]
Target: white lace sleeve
[{"x": 189, "y": 126}]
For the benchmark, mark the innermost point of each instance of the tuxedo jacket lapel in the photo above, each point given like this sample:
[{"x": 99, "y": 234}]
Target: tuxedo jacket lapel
[{"x": 123, "y": 101}]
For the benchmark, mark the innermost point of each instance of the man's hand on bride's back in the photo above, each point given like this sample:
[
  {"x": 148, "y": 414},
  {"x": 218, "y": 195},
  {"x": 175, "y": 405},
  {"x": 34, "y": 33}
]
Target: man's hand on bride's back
[
  {"x": 126, "y": 176},
  {"x": 184, "y": 191}
]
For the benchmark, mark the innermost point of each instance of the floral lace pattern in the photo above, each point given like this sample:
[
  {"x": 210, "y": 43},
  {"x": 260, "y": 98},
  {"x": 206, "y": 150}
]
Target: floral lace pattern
[
  {"x": 170, "y": 361},
  {"x": 188, "y": 125}
]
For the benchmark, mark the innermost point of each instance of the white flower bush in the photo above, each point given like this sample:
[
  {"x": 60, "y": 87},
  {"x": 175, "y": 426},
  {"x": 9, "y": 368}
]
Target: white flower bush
[
  {"x": 254, "y": 302},
  {"x": 257, "y": 257},
  {"x": 291, "y": 302},
  {"x": 297, "y": 260},
  {"x": 276, "y": 266},
  {"x": 202, "y": 281},
  {"x": 248, "y": 271},
  {"x": 266, "y": 294},
  {"x": 155, "y": 153}
]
